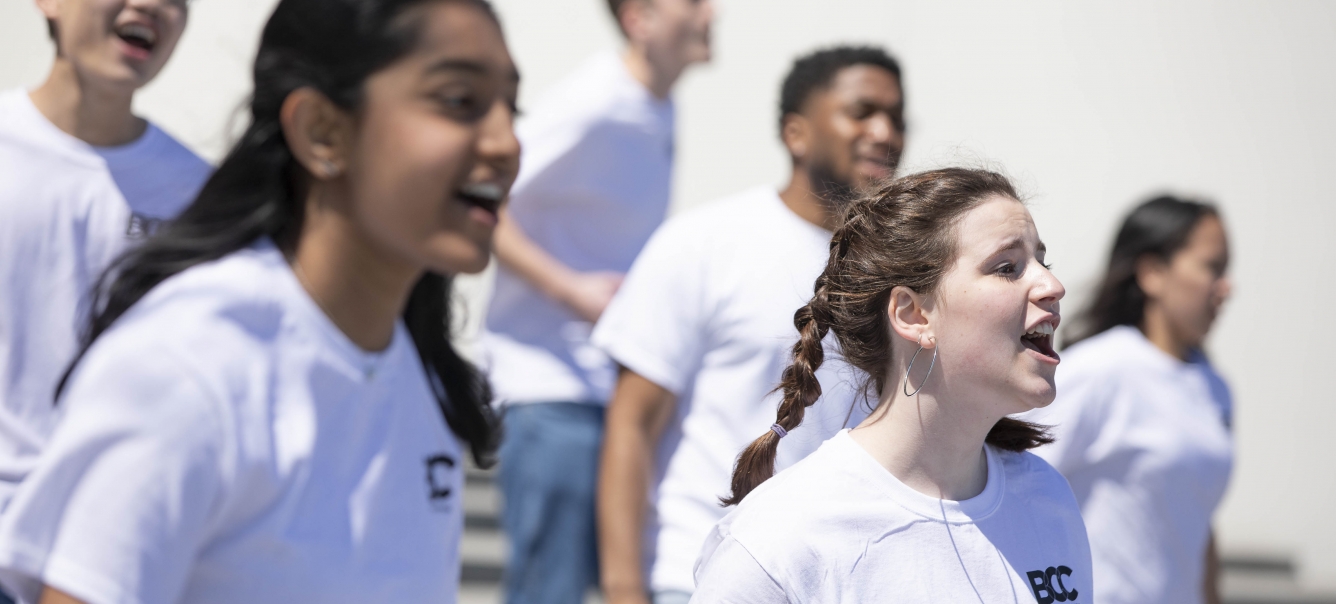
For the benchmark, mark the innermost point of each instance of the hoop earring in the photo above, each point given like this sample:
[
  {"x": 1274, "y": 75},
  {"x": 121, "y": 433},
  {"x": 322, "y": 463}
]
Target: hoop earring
[{"x": 905, "y": 384}]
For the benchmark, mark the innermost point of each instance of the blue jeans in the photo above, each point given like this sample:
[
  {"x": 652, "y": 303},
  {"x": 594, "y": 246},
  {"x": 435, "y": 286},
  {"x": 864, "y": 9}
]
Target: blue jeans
[{"x": 548, "y": 475}]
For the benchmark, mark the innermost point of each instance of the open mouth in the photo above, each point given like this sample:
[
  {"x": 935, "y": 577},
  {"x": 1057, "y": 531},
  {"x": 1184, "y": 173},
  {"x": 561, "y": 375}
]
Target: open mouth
[
  {"x": 138, "y": 36},
  {"x": 485, "y": 196},
  {"x": 1040, "y": 340}
]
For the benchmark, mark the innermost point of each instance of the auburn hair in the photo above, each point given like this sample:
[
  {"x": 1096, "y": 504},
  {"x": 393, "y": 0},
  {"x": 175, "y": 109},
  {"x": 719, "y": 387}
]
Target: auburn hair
[{"x": 902, "y": 235}]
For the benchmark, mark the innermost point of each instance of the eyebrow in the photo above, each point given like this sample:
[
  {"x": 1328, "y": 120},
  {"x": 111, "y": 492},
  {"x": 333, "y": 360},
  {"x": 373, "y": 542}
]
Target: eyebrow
[
  {"x": 469, "y": 66},
  {"x": 1017, "y": 242}
]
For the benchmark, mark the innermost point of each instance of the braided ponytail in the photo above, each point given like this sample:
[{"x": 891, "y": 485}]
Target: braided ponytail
[{"x": 801, "y": 389}]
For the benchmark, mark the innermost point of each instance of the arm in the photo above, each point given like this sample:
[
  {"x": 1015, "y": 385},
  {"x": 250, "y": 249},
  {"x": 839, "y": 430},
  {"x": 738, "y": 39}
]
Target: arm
[
  {"x": 585, "y": 293},
  {"x": 1211, "y": 589},
  {"x": 637, "y": 415},
  {"x": 55, "y": 596}
]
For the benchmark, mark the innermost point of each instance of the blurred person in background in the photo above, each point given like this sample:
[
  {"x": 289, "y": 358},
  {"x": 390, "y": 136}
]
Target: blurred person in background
[
  {"x": 933, "y": 497},
  {"x": 1142, "y": 420},
  {"x": 702, "y": 327},
  {"x": 267, "y": 407},
  {"x": 81, "y": 178},
  {"x": 595, "y": 181}
]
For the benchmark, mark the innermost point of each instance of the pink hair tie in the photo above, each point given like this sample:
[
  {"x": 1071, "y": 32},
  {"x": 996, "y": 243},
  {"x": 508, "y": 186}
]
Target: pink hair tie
[{"x": 779, "y": 430}]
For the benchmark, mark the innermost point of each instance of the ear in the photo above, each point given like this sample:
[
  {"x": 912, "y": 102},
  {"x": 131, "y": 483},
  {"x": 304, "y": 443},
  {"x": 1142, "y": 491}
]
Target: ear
[
  {"x": 633, "y": 16},
  {"x": 318, "y": 132},
  {"x": 796, "y": 131},
  {"x": 908, "y": 316},
  {"x": 1151, "y": 274},
  {"x": 50, "y": 8}
]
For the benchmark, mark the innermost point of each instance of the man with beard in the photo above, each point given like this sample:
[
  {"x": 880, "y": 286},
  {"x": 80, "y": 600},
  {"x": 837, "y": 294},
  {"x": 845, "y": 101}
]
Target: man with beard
[{"x": 703, "y": 325}]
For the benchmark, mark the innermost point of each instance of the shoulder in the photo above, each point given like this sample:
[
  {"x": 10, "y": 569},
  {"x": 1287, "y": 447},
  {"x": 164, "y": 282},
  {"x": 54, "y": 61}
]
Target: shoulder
[
  {"x": 723, "y": 221},
  {"x": 824, "y": 494},
  {"x": 1116, "y": 350},
  {"x": 598, "y": 103},
  {"x": 218, "y": 313},
  {"x": 586, "y": 96},
  {"x": 31, "y": 141},
  {"x": 175, "y": 156}
]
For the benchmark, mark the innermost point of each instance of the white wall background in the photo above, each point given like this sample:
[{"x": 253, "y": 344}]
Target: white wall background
[{"x": 1090, "y": 105}]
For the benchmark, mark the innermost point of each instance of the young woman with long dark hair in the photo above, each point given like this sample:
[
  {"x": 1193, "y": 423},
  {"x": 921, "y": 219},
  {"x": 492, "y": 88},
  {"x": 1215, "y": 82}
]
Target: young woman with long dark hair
[
  {"x": 267, "y": 407},
  {"x": 936, "y": 289},
  {"x": 1142, "y": 419}
]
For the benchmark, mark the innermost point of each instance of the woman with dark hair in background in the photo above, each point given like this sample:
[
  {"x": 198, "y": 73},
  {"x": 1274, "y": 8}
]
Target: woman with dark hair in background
[
  {"x": 267, "y": 407},
  {"x": 1142, "y": 420},
  {"x": 936, "y": 288}
]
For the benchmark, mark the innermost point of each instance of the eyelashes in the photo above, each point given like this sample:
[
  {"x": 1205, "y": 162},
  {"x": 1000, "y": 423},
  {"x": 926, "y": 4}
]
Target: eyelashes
[{"x": 1010, "y": 271}]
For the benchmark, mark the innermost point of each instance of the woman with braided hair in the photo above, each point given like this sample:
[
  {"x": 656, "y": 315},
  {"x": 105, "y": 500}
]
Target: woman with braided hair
[{"x": 936, "y": 288}]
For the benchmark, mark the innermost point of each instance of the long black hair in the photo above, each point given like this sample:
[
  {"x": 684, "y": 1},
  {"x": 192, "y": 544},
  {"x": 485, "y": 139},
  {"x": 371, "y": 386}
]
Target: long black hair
[
  {"x": 1157, "y": 228},
  {"x": 332, "y": 46}
]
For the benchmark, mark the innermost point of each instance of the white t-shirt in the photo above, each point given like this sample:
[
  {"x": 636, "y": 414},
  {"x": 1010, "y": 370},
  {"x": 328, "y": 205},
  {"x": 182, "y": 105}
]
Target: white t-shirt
[
  {"x": 593, "y": 185},
  {"x": 66, "y": 210},
  {"x": 707, "y": 313},
  {"x": 839, "y": 527},
  {"x": 224, "y": 442},
  {"x": 1144, "y": 440}
]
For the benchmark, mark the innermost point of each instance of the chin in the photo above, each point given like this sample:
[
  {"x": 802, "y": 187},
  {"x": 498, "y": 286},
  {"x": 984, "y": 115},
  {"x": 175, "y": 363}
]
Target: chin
[
  {"x": 455, "y": 265},
  {"x": 1035, "y": 392},
  {"x": 453, "y": 254}
]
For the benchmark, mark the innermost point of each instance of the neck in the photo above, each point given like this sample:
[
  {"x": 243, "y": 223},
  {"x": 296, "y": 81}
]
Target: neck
[
  {"x": 932, "y": 444},
  {"x": 98, "y": 114},
  {"x": 801, "y": 197},
  {"x": 1159, "y": 330},
  {"x": 657, "y": 76},
  {"x": 360, "y": 287}
]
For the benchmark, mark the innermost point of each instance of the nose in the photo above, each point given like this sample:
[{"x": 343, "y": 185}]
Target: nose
[
  {"x": 1048, "y": 291},
  {"x": 880, "y": 129},
  {"x": 497, "y": 143},
  {"x": 1224, "y": 287}
]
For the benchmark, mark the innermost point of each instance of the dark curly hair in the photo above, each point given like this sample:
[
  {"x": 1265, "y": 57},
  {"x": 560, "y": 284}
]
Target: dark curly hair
[{"x": 814, "y": 71}]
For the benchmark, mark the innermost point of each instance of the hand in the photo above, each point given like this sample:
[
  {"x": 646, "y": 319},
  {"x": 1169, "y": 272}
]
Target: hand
[{"x": 588, "y": 294}]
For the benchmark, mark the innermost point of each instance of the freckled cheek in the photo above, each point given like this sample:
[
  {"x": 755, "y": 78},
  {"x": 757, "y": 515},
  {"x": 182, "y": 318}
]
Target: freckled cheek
[{"x": 982, "y": 329}]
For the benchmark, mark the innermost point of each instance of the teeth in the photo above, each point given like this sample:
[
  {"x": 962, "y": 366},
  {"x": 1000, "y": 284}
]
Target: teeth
[
  {"x": 1042, "y": 329},
  {"x": 488, "y": 191},
  {"x": 138, "y": 30}
]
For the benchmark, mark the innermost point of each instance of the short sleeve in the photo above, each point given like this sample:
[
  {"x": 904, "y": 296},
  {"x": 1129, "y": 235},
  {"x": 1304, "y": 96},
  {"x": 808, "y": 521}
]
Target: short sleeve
[
  {"x": 731, "y": 575},
  {"x": 655, "y": 325},
  {"x": 118, "y": 505}
]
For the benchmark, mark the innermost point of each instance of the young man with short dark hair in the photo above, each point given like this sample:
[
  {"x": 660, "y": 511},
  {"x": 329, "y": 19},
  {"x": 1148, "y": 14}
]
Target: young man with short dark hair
[
  {"x": 703, "y": 325},
  {"x": 82, "y": 178},
  {"x": 593, "y": 184}
]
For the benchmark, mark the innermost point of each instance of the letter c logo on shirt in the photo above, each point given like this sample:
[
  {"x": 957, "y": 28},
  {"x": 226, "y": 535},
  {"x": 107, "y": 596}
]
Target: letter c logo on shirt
[
  {"x": 1042, "y": 584},
  {"x": 440, "y": 470}
]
